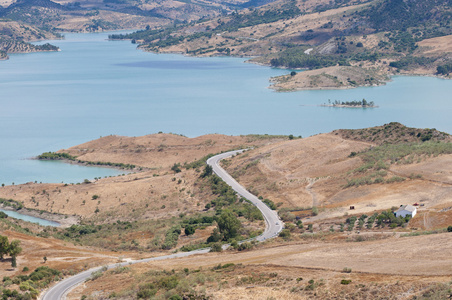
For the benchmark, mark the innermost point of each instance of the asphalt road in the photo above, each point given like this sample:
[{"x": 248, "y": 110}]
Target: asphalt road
[
  {"x": 272, "y": 228},
  {"x": 274, "y": 224}
]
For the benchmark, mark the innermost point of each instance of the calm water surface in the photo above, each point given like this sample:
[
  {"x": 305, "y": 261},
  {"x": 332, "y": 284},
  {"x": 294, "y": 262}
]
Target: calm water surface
[
  {"x": 95, "y": 87},
  {"x": 16, "y": 215}
]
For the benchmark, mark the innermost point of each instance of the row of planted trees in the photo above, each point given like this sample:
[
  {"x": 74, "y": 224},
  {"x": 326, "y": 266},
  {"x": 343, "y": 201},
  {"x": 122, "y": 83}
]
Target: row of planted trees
[{"x": 13, "y": 249}]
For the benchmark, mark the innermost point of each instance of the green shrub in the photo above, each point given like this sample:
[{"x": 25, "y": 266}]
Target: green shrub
[
  {"x": 315, "y": 211},
  {"x": 171, "y": 237},
  {"x": 346, "y": 281},
  {"x": 168, "y": 282},
  {"x": 146, "y": 293},
  {"x": 285, "y": 234},
  {"x": 216, "y": 247},
  {"x": 270, "y": 204},
  {"x": 245, "y": 246},
  {"x": 346, "y": 270},
  {"x": 189, "y": 230}
]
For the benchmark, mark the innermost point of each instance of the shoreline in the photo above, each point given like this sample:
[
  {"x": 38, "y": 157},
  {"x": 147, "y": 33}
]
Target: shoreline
[
  {"x": 64, "y": 221},
  {"x": 137, "y": 169},
  {"x": 250, "y": 60}
]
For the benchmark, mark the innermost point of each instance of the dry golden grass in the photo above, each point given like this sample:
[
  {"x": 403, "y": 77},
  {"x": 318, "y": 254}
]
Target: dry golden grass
[
  {"x": 434, "y": 46},
  {"x": 60, "y": 255},
  {"x": 313, "y": 172},
  {"x": 396, "y": 268},
  {"x": 155, "y": 193},
  {"x": 286, "y": 169}
]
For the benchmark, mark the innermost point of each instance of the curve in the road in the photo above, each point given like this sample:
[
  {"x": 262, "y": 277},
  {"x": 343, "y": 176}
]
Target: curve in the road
[
  {"x": 272, "y": 228},
  {"x": 273, "y": 223}
]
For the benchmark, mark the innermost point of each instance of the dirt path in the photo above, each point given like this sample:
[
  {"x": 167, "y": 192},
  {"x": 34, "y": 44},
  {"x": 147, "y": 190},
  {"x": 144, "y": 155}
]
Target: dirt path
[
  {"x": 427, "y": 221},
  {"x": 311, "y": 181}
]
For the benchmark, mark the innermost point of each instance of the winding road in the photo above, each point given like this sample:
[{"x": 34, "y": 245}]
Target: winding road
[{"x": 272, "y": 229}]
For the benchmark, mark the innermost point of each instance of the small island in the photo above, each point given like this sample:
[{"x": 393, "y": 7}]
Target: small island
[{"x": 350, "y": 104}]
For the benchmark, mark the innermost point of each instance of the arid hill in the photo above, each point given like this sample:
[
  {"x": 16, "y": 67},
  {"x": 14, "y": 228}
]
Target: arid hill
[
  {"x": 325, "y": 251},
  {"x": 371, "y": 169}
]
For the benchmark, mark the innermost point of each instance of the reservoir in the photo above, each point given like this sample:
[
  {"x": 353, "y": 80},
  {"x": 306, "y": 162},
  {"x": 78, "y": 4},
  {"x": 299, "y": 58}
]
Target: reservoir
[
  {"x": 94, "y": 87},
  {"x": 17, "y": 215}
]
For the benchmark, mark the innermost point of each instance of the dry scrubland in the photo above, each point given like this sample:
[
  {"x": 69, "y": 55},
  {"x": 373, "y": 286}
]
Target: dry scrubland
[
  {"x": 315, "y": 171},
  {"x": 124, "y": 197},
  {"x": 311, "y": 269},
  {"x": 329, "y": 171},
  {"x": 251, "y": 41}
]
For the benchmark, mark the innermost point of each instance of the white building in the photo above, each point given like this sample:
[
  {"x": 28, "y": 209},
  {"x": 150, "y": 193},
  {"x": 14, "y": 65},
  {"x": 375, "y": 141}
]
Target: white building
[{"x": 405, "y": 210}]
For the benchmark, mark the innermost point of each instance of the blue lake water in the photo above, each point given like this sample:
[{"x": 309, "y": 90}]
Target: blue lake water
[
  {"x": 43, "y": 222},
  {"x": 95, "y": 87}
]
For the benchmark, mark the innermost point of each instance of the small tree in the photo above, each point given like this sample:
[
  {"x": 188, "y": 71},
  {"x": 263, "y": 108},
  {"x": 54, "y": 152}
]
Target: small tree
[
  {"x": 45, "y": 259},
  {"x": 215, "y": 236},
  {"x": 14, "y": 250},
  {"x": 4, "y": 246},
  {"x": 228, "y": 224},
  {"x": 207, "y": 171}
]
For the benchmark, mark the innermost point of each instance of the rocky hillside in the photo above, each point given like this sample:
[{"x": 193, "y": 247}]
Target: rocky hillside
[
  {"x": 380, "y": 36},
  {"x": 393, "y": 133}
]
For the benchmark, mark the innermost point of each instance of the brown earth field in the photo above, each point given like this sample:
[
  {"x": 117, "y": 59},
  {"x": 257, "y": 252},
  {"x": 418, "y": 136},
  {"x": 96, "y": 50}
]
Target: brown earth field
[{"x": 398, "y": 268}]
